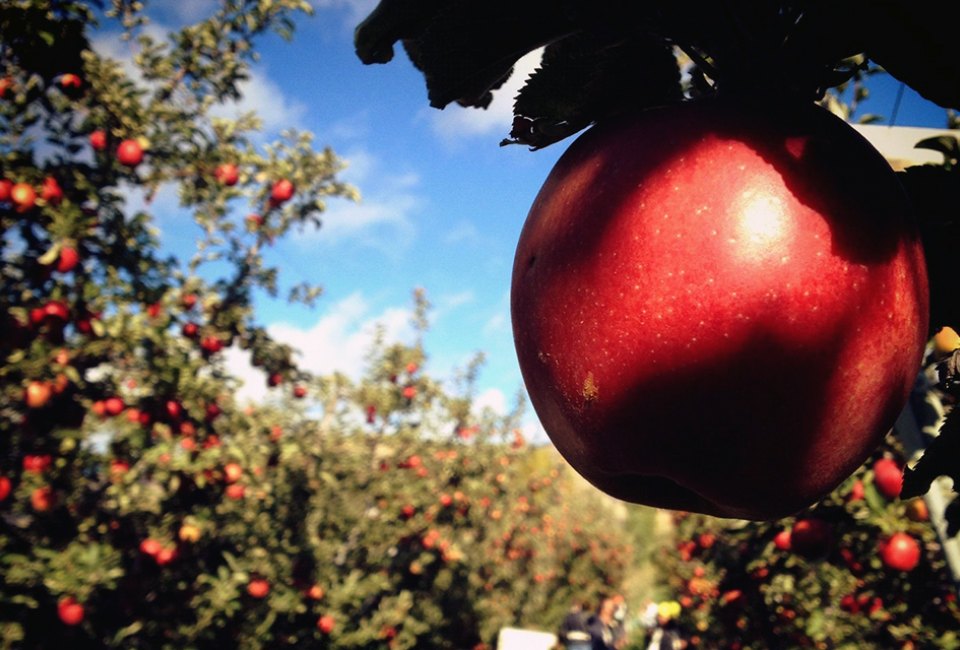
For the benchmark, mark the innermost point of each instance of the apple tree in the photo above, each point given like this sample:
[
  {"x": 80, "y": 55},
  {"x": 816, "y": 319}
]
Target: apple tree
[
  {"x": 865, "y": 569},
  {"x": 140, "y": 504}
]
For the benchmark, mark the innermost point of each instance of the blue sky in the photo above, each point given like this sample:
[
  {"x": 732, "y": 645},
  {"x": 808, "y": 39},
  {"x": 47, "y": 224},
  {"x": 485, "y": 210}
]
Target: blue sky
[{"x": 442, "y": 202}]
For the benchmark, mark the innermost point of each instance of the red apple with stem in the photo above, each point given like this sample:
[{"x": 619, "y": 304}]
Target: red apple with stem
[{"x": 720, "y": 306}]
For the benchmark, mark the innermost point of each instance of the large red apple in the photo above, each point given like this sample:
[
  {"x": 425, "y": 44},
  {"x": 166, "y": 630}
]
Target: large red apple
[{"x": 719, "y": 306}]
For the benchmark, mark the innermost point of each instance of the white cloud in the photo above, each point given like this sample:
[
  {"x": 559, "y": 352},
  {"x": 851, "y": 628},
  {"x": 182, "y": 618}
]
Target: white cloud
[
  {"x": 339, "y": 341},
  {"x": 455, "y": 123},
  {"x": 261, "y": 95},
  {"x": 499, "y": 322},
  {"x": 493, "y": 399},
  {"x": 464, "y": 231}
]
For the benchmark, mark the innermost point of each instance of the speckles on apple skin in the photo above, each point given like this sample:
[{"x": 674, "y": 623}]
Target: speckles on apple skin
[{"x": 591, "y": 390}]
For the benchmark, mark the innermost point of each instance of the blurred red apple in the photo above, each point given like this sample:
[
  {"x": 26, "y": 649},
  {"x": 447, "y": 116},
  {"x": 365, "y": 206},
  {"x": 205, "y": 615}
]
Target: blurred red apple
[
  {"x": 282, "y": 191},
  {"x": 227, "y": 174},
  {"x": 70, "y": 611},
  {"x": 98, "y": 140},
  {"x": 888, "y": 477},
  {"x": 326, "y": 624},
  {"x": 258, "y": 588},
  {"x": 130, "y": 153},
  {"x": 900, "y": 552}
]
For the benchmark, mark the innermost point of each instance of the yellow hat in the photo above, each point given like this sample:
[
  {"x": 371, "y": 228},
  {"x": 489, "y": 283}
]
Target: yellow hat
[{"x": 668, "y": 609}]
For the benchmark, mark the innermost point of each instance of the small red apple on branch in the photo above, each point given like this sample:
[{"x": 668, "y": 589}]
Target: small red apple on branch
[
  {"x": 130, "y": 153},
  {"x": 258, "y": 588},
  {"x": 888, "y": 477},
  {"x": 70, "y": 611},
  {"x": 281, "y": 191},
  {"x": 900, "y": 552},
  {"x": 227, "y": 174}
]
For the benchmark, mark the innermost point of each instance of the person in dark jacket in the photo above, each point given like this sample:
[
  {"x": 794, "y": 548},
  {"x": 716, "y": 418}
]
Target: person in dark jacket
[
  {"x": 573, "y": 632},
  {"x": 602, "y": 626}
]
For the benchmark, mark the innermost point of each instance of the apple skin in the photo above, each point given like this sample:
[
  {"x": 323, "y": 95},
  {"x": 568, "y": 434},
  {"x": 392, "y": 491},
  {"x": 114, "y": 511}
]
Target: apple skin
[
  {"x": 258, "y": 588},
  {"x": 227, "y": 174},
  {"x": 888, "y": 477},
  {"x": 719, "y": 308},
  {"x": 70, "y": 611},
  {"x": 282, "y": 191},
  {"x": 130, "y": 153},
  {"x": 900, "y": 552}
]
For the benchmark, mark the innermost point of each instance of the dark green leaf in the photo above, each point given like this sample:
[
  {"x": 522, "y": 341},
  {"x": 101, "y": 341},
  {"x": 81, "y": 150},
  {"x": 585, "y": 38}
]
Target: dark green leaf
[
  {"x": 587, "y": 76},
  {"x": 916, "y": 42},
  {"x": 934, "y": 192},
  {"x": 949, "y": 146},
  {"x": 952, "y": 515},
  {"x": 392, "y": 21},
  {"x": 470, "y": 48},
  {"x": 941, "y": 458}
]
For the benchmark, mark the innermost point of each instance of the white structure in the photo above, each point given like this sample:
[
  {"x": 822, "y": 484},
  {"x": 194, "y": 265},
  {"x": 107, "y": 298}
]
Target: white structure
[
  {"x": 896, "y": 143},
  {"x": 515, "y": 639}
]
